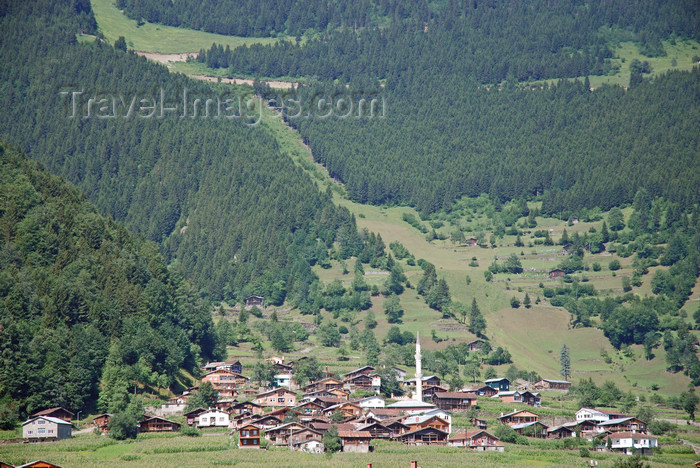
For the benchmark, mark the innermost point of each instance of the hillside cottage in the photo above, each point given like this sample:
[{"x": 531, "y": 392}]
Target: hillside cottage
[
  {"x": 276, "y": 397},
  {"x": 424, "y": 436},
  {"x": 213, "y": 418},
  {"x": 249, "y": 436},
  {"x": 44, "y": 428},
  {"x": 158, "y": 424},
  {"x": 556, "y": 273},
  {"x": 355, "y": 441},
  {"x": 531, "y": 429},
  {"x": 479, "y": 440},
  {"x": 550, "y": 384},
  {"x": 518, "y": 417},
  {"x": 631, "y": 443},
  {"x": 257, "y": 301},
  {"x": 57, "y": 412},
  {"x": 450, "y": 401},
  {"x": 502, "y": 385}
]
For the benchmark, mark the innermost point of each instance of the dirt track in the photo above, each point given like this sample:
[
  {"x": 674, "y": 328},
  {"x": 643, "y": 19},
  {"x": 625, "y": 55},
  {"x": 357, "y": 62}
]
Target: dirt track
[{"x": 166, "y": 59}]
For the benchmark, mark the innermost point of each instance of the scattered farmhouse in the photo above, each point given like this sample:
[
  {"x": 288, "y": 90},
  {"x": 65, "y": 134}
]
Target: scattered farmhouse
[
  {"x": 44, "y": 428},
  {"x": 479, "y": 440}
]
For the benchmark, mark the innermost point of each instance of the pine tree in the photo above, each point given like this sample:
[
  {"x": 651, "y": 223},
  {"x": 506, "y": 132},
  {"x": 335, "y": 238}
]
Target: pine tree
[
  {"x": 526, "y": 301},
  {"x": 477, "y": 324},
  {"x": 565, "y": 361}
]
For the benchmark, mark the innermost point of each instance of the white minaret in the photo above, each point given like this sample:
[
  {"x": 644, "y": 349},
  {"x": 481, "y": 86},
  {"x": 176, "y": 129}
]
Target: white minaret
[{"x": 419, "y": 370}]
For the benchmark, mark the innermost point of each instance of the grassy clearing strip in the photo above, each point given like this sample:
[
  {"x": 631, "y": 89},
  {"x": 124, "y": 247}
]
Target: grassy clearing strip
[
  {"x": 159, "y": 38},
  {"x": 199, "y": 448}
]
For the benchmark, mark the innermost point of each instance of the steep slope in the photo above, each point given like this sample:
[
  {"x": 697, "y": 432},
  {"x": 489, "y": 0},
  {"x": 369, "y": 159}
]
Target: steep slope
[
  {"x": 241, "y": 205},
  {"x": 75, "y": 285}
]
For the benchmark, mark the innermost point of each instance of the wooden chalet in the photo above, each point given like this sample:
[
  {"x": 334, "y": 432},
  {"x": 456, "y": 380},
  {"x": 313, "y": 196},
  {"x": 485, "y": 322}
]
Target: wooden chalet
[
  {"x": 550, "y": 384},
  {"x": 34, "y": 464},
  {"x": 396, "y": 426},
  {"x": 562, "y": 432},
  {"x": 428, "y": 381},
  {"x": 424, "y": 436},
  {"x": 355, "y": 441},
  {"x": 157, "y": 424},
  {"x": 530, "y": 398},
  {"x": 422, "y": 421},
  {"x": 224, "y": 382},
  {"x": 326, "y": 384},
  {"x": 364, "y": 382},
  {"x": 226, "y": 404},
  {"x": 478, "y": 440},
  {"x": 380, "y": 414},
  {"x": 310, "y": 408},
  {"x": 475, "y": 345},
  {"x": 377, "y": 429},
  {"x": 280, "y": 435},
  {"x": 478, "y": 423},
  {"x": 56, "y": 412},
  {"x": 502, "y": 385},
  {"x": 556, "y": 273},
  {"x": 258, "y": 301},
  {"x": 249, "y": 436},
  {"x": 450, "y": 401},
  {"x": 246, "y": 407},
  {"x": 305, "y": 434},
  {"x": 472, "y": 242},
  {"x": 365, "y": 370},
  {"x": 268, "y": 421},
  {"x": 484, "y": 391},
  {"x": 632, "y": 425},
  {"x": 101, "y": 422},
  {"x": 531, "y": 429},
  {"x": 518, "y": 417},
  {"x": 276, "y": 397},
  {"x": 430, "y": 390},
  {"x": 232, "y": 366},
  {"x": 349, "y": 410},
  {"x": 340, "y": 393}
]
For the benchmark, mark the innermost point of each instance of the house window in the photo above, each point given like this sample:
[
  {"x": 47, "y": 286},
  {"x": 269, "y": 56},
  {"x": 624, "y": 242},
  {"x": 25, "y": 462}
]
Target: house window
[
  {"x": 41, "y": 421},
  {"x": 50, "y": 431},
  {"x": 42, "y": 430}
]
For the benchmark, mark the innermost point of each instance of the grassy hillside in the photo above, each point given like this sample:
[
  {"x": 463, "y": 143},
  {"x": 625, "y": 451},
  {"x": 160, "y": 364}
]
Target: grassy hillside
[
  {"x": 158, "y": 38},
  {"x": 533, "y": 336}
]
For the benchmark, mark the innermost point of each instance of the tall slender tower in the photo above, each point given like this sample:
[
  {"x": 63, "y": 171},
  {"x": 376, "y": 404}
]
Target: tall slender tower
[{"x": 419, "y": 370}]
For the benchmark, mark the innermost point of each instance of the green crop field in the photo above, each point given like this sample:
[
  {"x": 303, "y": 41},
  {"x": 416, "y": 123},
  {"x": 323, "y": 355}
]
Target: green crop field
[
  {"x": 159, "y": 38},
  {"x": 88, "y": 451}
]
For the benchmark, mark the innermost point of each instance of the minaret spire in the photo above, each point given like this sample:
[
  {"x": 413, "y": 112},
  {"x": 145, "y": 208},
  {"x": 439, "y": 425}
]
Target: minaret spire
[{"x": 419, "y": 370}]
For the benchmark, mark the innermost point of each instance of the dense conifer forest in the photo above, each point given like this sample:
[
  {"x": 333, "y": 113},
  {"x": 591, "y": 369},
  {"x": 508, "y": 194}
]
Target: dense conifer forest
[
  {"x": 226, "y": 206},
  {"x": 77, "y": 290},
  {"x": 448, "y": 132}
]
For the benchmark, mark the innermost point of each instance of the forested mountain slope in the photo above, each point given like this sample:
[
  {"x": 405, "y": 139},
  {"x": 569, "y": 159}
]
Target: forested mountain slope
[
  {"x": 248, "y": 217},
  {"x": 448, "y": 132},
  {"x": 580, "y": 148},
  {"x": 76, "y": 287}
]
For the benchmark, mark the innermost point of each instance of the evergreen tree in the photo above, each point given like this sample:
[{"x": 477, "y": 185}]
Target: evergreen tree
[
  {"x": 565, "y": 362},
  {"x": 477, "y": 323}
]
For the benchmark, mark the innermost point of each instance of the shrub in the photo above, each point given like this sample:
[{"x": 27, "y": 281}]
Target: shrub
[
  {"x": 584, "y": 452},
  {"x": 614, "y": 265},
  {"x": 190, "y": 431}
]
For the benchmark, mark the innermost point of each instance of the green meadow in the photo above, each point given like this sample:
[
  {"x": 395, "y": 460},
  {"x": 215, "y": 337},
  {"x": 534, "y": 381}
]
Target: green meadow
[{"x": 159, "y": 38}]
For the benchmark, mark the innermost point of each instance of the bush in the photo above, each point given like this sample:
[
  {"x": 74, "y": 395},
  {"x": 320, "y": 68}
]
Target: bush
[
  {"x": 190, "y": 431},
  {"x": 122, "y": 426},
  {"x": 659, "y": 427},
  {"x": 614, "y": 265},
  {"x": 584, "y": 452}
]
